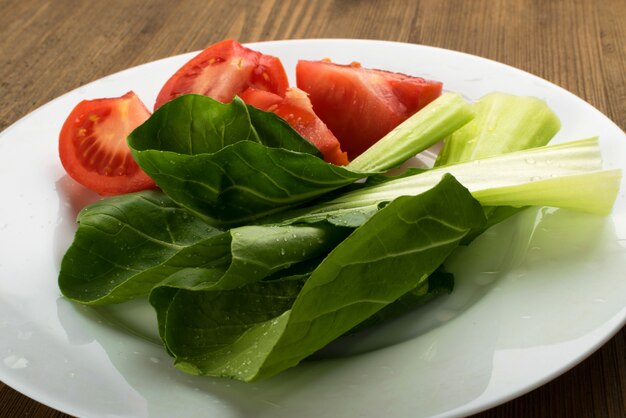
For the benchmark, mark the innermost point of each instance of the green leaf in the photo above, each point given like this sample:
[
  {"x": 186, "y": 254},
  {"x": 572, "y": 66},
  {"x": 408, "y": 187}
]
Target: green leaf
[
  {"x": 440, "y": 282},
  {"x": 230, "y": 164},
  {"x": 192, "y": 124},
  {"x": 275, "y": 132},
  {"x": 243, "y": 182},
  {"x": 255, "y": 331},
  {"x": 126, "y": 245},
  {"x": 120, "y": 237}
]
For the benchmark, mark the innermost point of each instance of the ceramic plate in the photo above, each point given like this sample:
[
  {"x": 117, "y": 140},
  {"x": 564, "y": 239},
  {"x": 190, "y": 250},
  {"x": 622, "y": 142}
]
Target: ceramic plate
[{"x": 534, "y": 296}]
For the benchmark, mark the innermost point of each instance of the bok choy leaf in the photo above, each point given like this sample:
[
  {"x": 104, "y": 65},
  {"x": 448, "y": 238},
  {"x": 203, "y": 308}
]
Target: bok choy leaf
[
  {"x": 210, "y": 158},
  {"x": 128, "y": 244},
  {"x": 263, "y": 328},
  {"x": 231, "y": 164}
]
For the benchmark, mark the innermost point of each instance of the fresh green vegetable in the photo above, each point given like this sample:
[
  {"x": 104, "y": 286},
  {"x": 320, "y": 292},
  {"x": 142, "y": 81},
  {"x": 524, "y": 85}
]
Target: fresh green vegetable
[
  {"x": 286, "y": 279},
  {"x": 504, "y": 123},
  {"x": 567, "y": 175},
  {"x": 440, "y": 282},
  {"x": 101, "y": 268},
  {"x": 119, "y": 239},
  {"x": 255, "y": 331},
  {"x": 437, "y": 120},
  {"x": 128, "y": 244},
  {"x": 211, "y": 159},
  {"x": 230, "y": 164}
]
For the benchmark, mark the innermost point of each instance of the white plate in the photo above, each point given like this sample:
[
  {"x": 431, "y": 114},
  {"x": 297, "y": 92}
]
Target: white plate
[{"x": 534, "y": 296}]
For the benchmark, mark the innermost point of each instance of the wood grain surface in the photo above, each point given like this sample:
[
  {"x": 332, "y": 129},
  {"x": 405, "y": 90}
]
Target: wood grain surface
[{"x": 50, "y": 47}]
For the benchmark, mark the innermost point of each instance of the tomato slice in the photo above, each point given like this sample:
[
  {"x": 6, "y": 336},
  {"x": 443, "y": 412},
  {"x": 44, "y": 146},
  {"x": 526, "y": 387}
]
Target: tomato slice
[
  {"x": 223, "y": 70},
  {"x": 361, "y": 105},
  {"x": 93, "y": 148},
  {"x": 297, "y": 110}
]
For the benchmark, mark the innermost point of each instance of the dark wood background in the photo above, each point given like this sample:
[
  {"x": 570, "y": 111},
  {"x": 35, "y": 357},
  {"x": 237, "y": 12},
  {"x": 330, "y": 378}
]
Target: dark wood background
[{"x": 50, "y": 47}]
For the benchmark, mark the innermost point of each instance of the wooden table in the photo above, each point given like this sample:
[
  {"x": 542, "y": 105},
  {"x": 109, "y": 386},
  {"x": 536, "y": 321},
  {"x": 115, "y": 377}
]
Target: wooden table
[{"x": 50, "y": 47}]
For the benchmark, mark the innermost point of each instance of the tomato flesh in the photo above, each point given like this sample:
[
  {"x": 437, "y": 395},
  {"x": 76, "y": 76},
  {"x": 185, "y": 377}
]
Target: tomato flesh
[
  {"x": 223, "y": 70},
  {"x": 296, "y": 109},
  {"x": 93, "y": 148},
  {"x": 361, "y": 105}
]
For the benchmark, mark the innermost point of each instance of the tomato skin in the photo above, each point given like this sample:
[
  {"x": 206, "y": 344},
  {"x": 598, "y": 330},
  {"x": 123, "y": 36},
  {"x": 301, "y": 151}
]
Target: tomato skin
[
  {"x": 223, "y": 70},
  {"x": 361, "y": 105},
  {"x": 93, "y": 148},
  {"x": 296, "y": 109}
]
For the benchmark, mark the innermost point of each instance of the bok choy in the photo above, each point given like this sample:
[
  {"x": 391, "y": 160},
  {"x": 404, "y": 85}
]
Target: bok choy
[{"x": 257, "y": 253}]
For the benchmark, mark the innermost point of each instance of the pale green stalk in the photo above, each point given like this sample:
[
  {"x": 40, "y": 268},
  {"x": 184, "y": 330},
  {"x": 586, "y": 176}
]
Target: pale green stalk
[
  {"x": 431, "y": 124},
  {"x": 567, "y": 175},
  {"x": 504, "y": 123}
]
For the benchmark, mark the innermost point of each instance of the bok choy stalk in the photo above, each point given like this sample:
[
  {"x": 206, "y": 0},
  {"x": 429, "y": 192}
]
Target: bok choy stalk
[
  {"x": 434, "y": 122},
  {"x": 504, "y": 123},
  {"x": 566, "y": 175}
]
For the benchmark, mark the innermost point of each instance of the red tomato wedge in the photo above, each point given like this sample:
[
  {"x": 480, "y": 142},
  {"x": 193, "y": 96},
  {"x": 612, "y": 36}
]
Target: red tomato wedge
[
  {"x": 93, "y": 148},
  {"x": 361, "y": 105},
  {"x": 223, "y": 70},
  {"x": 297, "y": 110}
]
